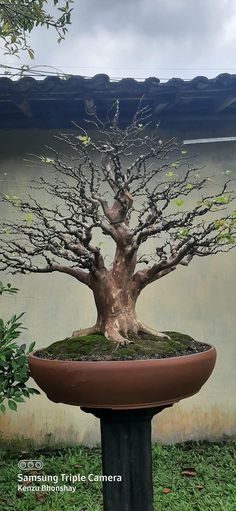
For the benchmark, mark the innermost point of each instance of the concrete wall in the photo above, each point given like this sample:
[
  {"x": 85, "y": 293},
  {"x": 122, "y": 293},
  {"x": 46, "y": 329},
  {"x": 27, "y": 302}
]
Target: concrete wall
[{"x": 199, "y": 300}]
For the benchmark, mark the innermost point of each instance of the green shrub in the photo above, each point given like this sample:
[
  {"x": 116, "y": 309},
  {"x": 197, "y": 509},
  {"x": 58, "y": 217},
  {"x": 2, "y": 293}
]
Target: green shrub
[{"x": 14, "y": 369}]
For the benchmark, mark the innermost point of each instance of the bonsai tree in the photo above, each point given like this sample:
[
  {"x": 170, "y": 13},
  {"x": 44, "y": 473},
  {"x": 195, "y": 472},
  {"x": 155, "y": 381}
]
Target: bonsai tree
[
  {"x": 14, "y": 370},
  {"x": 130, "y": 186}
]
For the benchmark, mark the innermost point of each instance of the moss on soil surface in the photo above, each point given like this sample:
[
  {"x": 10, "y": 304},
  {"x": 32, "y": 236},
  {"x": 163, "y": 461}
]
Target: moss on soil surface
[{"x": 97, "y": 347}]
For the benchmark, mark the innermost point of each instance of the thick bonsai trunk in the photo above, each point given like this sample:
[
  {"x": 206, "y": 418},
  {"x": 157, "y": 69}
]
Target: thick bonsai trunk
[
  {"x": 115, "y": 296},
  {"x": 115, "y": 300},
  {"x": 116, "y": 311}
]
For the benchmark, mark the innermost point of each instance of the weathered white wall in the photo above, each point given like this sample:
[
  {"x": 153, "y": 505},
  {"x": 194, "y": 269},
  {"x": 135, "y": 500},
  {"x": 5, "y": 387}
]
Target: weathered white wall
[{"x": 199, "y": 300}]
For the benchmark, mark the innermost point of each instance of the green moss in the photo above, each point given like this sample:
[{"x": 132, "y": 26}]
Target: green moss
[{"x": 97, "y": 347}]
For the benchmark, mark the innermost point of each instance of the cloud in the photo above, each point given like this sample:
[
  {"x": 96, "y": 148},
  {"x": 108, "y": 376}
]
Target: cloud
[
  {"x": 144, "y": 38},
  {"x": 153, "y": 18}
]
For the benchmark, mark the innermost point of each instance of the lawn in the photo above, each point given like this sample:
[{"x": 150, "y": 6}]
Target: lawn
[{"x": 187, "y": 477}]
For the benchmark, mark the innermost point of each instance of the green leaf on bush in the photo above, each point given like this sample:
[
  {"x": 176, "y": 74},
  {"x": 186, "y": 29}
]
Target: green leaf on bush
[
  {"x": 19, "y": 399},
  {"x": 21, "y": 349},
  {"x": 12, "y": 405},
  {"x": 33, "y": 391},
  {"x": 25, "y": 392},
  {"x": 7, "y": 289},
  {"x": 31, "y": 347},
  {"x": 14, "y": 369}
]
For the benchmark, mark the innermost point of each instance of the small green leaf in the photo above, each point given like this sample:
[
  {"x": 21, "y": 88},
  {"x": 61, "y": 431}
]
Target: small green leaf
[
  {"x": 14, "y": 199},
  {"x": 219, "y": 223},
  {"x": 30, "y": 53},
  {"x": 19, "y": 399},
  {"x": 184, "y": 151},
  {"x": 25, "y": 392},
  {"x": 189, "y": 186},
  {"x": 175, "y": 164},
  {"x": 28, "y": 219},
  {"x": 183, "y": 232},
  {"x": 21, "y": 349},
  {"x": 179, "y": 202},
  {"x": 226, "y": 238},
  {"x": 205, "y": 202},
  {"x": 85, "y": 139},
  {"x": 12, "y": 405},
  {"x": 221, "y": 200},
  {"x": 31, "y": 347},
  {"x": 33, "y": 391},
  {"x": 170, "y": 174}
]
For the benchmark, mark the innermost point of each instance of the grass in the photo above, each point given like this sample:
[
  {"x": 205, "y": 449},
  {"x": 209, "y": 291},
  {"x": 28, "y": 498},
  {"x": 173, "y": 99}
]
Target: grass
[
  {"x": 97, "y": 347},
  {"x": 211, "y": 487}
]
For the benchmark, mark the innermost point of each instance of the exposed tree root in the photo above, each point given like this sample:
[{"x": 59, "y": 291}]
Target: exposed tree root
[
  {"x": 85, "y": 331},
  {"x": 147, "y": 330},
  {"x": 112, "y": 333}
]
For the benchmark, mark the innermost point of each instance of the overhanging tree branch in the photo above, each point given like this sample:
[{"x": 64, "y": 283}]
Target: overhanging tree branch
[{"x": 19, "y": 17}]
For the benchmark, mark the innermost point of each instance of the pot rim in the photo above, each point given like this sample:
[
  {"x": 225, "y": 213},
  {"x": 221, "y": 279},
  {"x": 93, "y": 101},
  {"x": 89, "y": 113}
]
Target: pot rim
[{"x": 147, "y": 360}]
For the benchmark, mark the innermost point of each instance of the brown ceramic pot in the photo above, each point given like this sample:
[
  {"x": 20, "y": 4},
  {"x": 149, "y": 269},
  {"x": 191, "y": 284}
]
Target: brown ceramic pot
[{"x": 123, "y": 384}]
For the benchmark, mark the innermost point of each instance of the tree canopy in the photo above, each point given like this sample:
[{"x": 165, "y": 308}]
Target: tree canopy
[
  {"x": 131, "y": 186},
  {"x": 19, "y": 17},
  {"x": 148, "y": 200}
]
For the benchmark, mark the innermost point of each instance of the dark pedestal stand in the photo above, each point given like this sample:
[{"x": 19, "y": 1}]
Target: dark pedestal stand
[{"x": 127, "y": 451}]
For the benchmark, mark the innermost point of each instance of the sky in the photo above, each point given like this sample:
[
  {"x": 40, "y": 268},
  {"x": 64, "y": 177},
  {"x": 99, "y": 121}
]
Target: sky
[{"x": 142, "y": 38}]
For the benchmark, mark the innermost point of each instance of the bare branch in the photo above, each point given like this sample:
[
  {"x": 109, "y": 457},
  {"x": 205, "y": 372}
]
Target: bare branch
[{"x": 127, "y": 184}]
